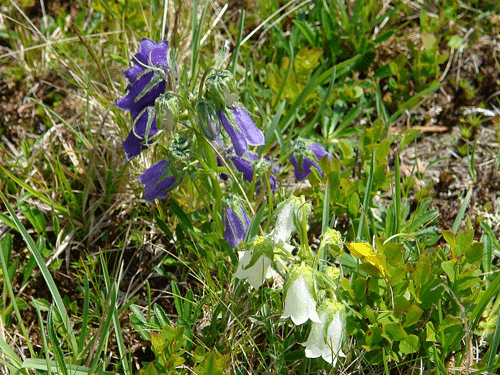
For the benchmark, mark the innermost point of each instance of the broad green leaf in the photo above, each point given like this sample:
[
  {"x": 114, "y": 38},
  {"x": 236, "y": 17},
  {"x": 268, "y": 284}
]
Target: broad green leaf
[
  {"x": 409, "y": 345},
  {"x": 393, "y": 332}
]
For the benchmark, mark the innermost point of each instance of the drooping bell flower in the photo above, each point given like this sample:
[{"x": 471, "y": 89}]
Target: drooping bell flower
[
  {"x": 300, "y": 296},
  {"x": 241, "y": 129},
  {"x": 250, "y": 165},
  {"x": 144, "y": 128},
  {"x": 325, "y": 338},
  {"x": 255, "y": 262},
  {"x": 147, "y": 77},
  {"x": 290, "y": 214},
  {"x": 236, "y": 220},
  {"x": 159, "y": 180},
  {"x": 306, "y": 156}
]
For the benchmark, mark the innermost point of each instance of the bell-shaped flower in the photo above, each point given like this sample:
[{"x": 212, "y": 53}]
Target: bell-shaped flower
[
  {"x": 290, "y": 214},
  {"x": 147, "y": 77},
  {"x": 305, "y": 157},
  {"x": 255, "y": 263},
  {"x": 245, "y": 165},
  {"x": 241, "y": 129},
  {"x": 159, "y": 181},
  {"x": 236, "y": 220},
  {"x": 144, "y": 129},
  {"x": 325, "y": 338},
  {"x": 250, "y": 165},
  {"x": 300, "y": 296}
]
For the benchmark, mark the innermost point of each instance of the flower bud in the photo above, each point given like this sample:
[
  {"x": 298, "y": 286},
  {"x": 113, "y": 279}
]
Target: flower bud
[
  {"x": 210, "y": 121},
  {"x": 167, "y": 111},
  {"x": 222, "y": 87},
  {"x": 332, "y": 241},
  {"x": 236, "y": 219}
]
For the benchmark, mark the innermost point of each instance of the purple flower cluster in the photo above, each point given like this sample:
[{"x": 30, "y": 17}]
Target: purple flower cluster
[
  {"x": 154, "y": 105},
  {"x": 147, "y": 82}
]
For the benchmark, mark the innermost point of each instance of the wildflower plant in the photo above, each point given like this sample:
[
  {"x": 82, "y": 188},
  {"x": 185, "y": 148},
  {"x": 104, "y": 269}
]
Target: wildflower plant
[{"x": 208, "y": 132}]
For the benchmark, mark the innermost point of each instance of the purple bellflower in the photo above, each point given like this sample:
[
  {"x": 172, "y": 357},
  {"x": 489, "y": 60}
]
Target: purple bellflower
[
  {"x": 158, "y": 181},
  {"x": 137, "y": 139},
  {"x": 241, "y": 129},
  {"x": 237, "y": 222},
  {"x": 304, "y": 158},
  {"x": 249, "y": 164},
  {"x": 244, "y": 164},
  {"x": 145, "y": 86},
  {"x": 146, "y": 83}
]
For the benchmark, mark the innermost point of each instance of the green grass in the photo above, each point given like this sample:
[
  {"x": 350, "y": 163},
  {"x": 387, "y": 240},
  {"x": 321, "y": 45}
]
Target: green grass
[{"x": 96, "y": 280}]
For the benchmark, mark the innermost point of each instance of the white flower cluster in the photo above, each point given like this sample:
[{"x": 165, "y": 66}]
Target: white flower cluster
[{"x": 268, "y": 256}]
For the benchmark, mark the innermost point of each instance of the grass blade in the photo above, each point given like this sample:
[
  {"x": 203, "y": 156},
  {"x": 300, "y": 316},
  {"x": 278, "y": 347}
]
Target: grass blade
[
  {"x": 46, "y": 275},
  {"x": 461, "y": 212}
]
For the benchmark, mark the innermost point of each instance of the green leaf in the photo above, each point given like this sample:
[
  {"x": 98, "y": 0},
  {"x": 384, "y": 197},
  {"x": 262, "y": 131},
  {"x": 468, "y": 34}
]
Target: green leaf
[
  {"x": 449, "y": 321},
  {"x": 149, "y": 370},
  {"x": 455, "y": 42},
  {"x": 413, "y": 315},
  {"x": 465, "y": 238},
  {"x": 181, "y": 215},
  {"x": 393, "y": 332},
  {"x": 475, "y": 253},
  {"x": 213, "y": 363},
  {"x": 450, "y": 268},
  {"x": 422, "y": 269},
  {"x": 431, "y": 332},
  {"x": 373, "y": 336},
  {"x": 410, "y": 344}
]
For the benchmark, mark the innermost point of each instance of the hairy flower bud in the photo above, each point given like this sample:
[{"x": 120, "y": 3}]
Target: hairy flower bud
[
  {"x": 222, "y": 87},
  {"x": 209, "y": 119},
  {"x": 332, "y": 242},
  {"x": 167, "y": 111}
]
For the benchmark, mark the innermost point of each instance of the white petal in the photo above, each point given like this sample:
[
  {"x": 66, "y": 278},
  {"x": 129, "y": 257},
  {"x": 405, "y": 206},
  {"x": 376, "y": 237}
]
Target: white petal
[
  {"x": 284, "y": 225},
  {"x": 334, "y": 339},
  {"x": 315, "y": 344},
  {"x": 300, "y": 305},
  {"x": 256, "y": 274}
]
